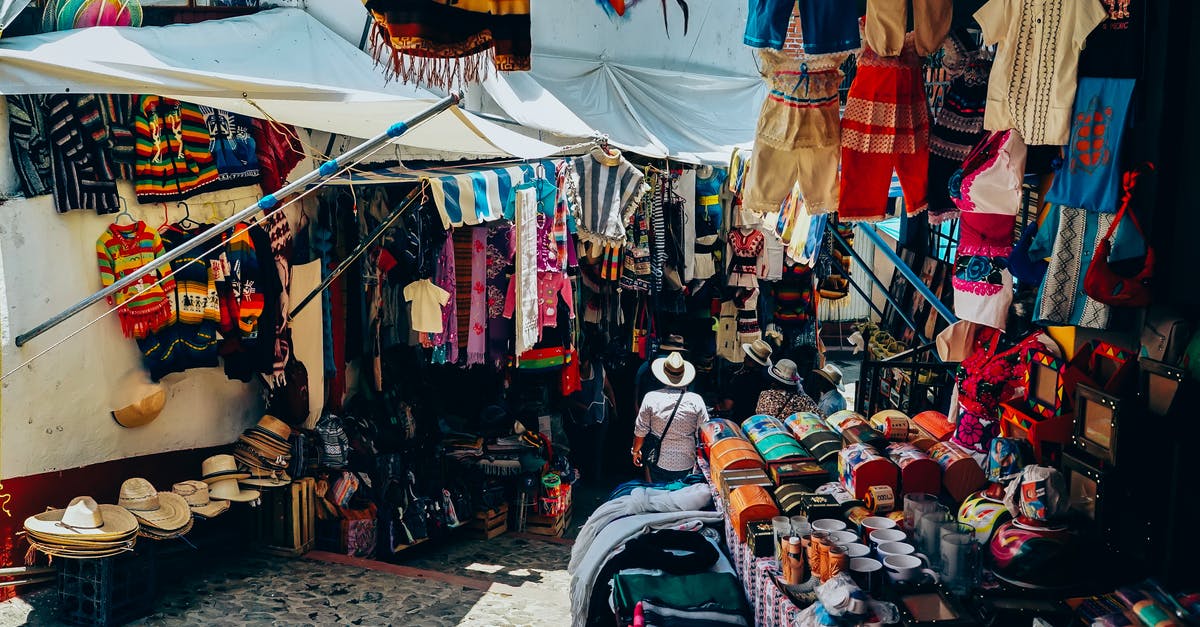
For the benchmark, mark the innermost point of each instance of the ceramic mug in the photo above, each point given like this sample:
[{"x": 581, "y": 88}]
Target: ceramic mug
[
  {"x": 843, "y": 537},
  {"x": 895, "y": 548},
  {"x": 867, "y": 573},
  {"x": 854, "y": 549},
  {"x": 828, "y": 525},
  {"x": 904, "y": 568},
  {"x": 883, "y": 536},
  {"x": 876, "y": 523}
]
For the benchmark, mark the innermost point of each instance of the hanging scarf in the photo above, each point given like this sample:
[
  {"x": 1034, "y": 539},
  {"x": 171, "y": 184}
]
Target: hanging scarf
[
  {"x": 477, "y": 338},
  {"x": 447, "y": 340},
  {"x": 499, "y": 261},
  {"x": 281, "y": 249},
  {"x": 464, "y": 266},
  {"x": 526, "y": 277},
  {"x": 427, "y": 42}
]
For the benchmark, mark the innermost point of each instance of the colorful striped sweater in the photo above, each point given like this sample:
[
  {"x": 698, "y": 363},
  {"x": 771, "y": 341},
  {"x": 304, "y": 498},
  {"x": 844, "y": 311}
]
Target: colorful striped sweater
[
  {"x": 144, "y": 306},
  {"x": 191, "y": 340},
  {"x": 174, "y": 160}
]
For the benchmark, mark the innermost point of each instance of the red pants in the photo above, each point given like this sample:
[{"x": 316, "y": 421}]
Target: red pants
[{"x": 885, "y": 127}]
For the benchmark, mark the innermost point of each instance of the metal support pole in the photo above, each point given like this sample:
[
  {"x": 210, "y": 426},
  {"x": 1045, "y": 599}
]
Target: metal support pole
[
  {"x": 871, "y": 273},
  {"x": 326, "y": 170},
  {"x": 358, "y": 251},
  {"x": 908, "y": 274}
]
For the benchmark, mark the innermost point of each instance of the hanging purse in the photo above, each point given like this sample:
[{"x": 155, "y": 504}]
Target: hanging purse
[
  {"x": 1105, "y": 284},
  {"x": 989, "y": 180},
  {"x": 642, "y": 330}
]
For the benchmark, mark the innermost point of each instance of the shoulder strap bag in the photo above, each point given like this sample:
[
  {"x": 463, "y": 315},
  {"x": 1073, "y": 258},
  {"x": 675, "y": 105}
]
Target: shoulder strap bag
[
  {"x": 652, "y": 443},
  {"x": 1102, "y": 282}
]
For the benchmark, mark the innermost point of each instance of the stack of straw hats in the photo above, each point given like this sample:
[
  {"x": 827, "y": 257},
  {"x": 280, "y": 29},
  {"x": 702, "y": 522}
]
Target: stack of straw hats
[
  {"x": 265, "y": 451},
  {"x": 163, "y": 515},
  {"x": 198, "y": 499},
  {"x": 84, "y": 529},
  {"x": 222, "y": 474}
]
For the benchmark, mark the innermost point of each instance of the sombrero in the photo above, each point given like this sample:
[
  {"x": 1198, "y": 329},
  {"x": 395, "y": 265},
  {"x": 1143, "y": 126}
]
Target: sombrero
[
  {"x": 137, "y": 399},
  {"x": 219, "y": 467},
  {"x": 227, "y": 490},
  {"x": 673, "y": 370},
  {"x": 164, "y": 511},
  {"x": 84, "y": 518}
]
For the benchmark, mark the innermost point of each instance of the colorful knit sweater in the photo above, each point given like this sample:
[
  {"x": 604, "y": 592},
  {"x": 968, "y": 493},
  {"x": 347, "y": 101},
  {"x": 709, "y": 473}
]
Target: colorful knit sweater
[
  {"x": 190, "y": 341},
  {"x": 174, "y": 160},
  {"x": 144, "y": 306}
]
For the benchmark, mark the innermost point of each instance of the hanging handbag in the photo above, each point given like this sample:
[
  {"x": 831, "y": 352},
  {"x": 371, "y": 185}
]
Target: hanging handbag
[
  {"x": 652, "y": 443},
  {"x": 1105, "y": 284},
  {"x": 642, "y": 329},
  {"x": 989, "y": 180}
]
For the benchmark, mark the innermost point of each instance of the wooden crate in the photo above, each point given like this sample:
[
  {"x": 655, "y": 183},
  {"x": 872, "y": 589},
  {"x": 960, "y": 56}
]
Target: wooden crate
[
  {"x": 285, "y": 523},
  {"x": 554, "y": 526},
  {"x": 489, "y": 524}
]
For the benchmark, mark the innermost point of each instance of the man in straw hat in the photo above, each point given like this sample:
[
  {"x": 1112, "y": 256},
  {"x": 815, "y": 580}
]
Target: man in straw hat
[
  {"x": 827, "y": 387},
  {"x": 672, "y": 414},
  {"x": 645, "y": 381},
  {"x": 742, "y": 392}
]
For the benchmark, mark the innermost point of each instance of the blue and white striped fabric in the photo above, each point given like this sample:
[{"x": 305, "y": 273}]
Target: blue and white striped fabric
[{"x": 481, "y": 196}]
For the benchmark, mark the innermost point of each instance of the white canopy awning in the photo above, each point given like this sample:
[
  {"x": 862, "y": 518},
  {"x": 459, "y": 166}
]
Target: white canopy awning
[
  {"x": 691, "y": 117},
  {"x": 281, "y": 64}
]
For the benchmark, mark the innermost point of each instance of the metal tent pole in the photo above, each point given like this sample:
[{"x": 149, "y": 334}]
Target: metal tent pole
[
  {"x": 359, "y": 250},
  {"x": 326, "y": 170}
]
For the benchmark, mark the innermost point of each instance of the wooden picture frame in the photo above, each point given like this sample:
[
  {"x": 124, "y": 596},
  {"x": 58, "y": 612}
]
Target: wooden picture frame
[
  {"x": 1161, "y": 385},
  {"x": 1097, "y": 418}
]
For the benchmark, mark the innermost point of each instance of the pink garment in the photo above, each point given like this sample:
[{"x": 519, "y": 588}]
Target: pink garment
[
  {"x": 550, "y": 286},
  {"x": 992, "y": 175},
  {"x": 477, "y": 340},
  {"x": 445, "y": 280}
]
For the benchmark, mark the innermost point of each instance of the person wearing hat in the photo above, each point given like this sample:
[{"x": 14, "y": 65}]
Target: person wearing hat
[
  {"x": 826, "y": 385},
  {"x": 645, "y": 381},
  {"x": 673, "y": 414},
  {"x": 744, "y": 388},
  {"x": 785, "y": 396}
]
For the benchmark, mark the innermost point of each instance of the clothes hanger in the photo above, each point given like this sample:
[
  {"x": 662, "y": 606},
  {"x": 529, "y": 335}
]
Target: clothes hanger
[
  {"x": 166, "y": 225},
  {"x": 187, "y": 222},
  {"x": 124, "y": 212}
]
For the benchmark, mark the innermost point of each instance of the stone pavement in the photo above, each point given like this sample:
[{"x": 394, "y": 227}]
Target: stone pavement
[{"x": 510, "y": 581}]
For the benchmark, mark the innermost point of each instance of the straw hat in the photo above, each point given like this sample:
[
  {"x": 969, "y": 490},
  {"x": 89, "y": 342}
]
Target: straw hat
[
  {"x": 137, "y": 399},
  {"x": 196, "y": 495},
  {"x": 832, "y": 374},
  {"x": 161, "y": 510},
  {"x": 784, "y": 371},
  {"x": 673, "y": 344},
  {"x": 267, "y": 479},
  {"x": 84, "y": 519},
  {"x": 274, "y": 428},
  {"x": 759, "y": 351},
  {"x": 673, "y": 370},
  {"x": 227, "y": 490},
  {"x": 219, "y": 467}
]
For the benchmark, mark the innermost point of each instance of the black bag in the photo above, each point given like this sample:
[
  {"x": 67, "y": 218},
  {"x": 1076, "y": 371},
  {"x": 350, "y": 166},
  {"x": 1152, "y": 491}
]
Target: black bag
[{"x": 652, "y": 443}]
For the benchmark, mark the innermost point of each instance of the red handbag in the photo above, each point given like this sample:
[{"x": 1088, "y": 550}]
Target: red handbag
[{"x": 1105, "y": 284}]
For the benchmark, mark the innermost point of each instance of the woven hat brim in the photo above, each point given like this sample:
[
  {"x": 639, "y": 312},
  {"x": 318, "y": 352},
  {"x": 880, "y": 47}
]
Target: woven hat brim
[
  {"x": 157, "y": 534},
  {"x": 79, "y": 543},
  {"x": 265, "y": 482},
  {"x": 81, "y": 555},
  {"x": 118, "y": 522},
  {"x": 224, "y": 474},
  {"x": 242, "y": 496},
  {"x": 689, "y": 373},
  {"x": 212, "y": 510},
  {"x": 172, "y": 513}
]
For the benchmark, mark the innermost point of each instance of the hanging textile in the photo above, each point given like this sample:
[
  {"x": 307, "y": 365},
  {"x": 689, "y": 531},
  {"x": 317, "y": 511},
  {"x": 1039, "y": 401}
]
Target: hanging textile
[
  {"x": 499, "y": 263},
  {"x": 464, "y": 267},
  {"x": 174, "y": 160},
  {"x": 477, "y": 332},
  {"x": 249, "y": 289},
  {"x": 232, "y": 145},
  {"x": 958, "y": 125},
  {"x": 122, "y": 250},
  {"x": 83, "y": 173},
  {"x": 279, "y": 151},
  {"x": 525, "y": 228},
  {"x": 121, "y": 145},
  {"x": 446, "y": 43},
  {"x": 280, "y": 234},
  {"x": 28, "y": 141},
  {"x": 190, "y": 340},
  {"x": 609, "y": 188},
  {"x": 1091, "y": 176},
  {"x": 446, "y": 342},
  {"x": 635, "y": 274}
]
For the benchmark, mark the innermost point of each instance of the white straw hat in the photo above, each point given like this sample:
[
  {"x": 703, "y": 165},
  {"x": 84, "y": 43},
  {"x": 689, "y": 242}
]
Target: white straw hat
[{"x": 673, "y": 370}]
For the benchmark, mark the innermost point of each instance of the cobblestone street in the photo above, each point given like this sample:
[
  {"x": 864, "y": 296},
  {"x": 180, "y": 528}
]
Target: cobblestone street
[{"x": 513, "y": 580}]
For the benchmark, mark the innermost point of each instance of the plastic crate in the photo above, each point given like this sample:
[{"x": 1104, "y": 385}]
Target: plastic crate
[{"x": 108, "y": 590}]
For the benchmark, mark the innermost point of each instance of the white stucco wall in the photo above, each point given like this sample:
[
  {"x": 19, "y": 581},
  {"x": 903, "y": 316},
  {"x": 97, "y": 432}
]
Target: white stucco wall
[{"x": 54, "y": 414}]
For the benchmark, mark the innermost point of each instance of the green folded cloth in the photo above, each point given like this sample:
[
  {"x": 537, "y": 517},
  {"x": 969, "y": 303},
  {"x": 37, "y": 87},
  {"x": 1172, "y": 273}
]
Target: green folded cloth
[{"x": 722, "y": 590}]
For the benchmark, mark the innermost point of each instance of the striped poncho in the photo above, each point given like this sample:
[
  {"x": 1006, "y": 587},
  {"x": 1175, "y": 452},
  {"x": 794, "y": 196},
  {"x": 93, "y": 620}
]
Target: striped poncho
[
  {"x": 120, "y": 251},
  {"x": 609, "y": 189},
  {"x": 174, "y": 160}
]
